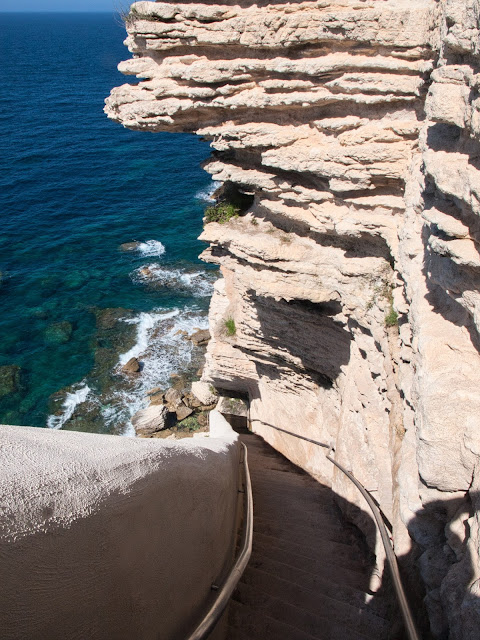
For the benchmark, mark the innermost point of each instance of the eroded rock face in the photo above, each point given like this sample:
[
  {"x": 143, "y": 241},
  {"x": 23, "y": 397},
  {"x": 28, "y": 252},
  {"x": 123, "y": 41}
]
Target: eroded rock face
[{"x": 353, "y": 279}]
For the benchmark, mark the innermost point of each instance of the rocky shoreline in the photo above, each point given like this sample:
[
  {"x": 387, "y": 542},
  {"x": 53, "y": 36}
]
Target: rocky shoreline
[
  {"x": 100, "y": 403},
  {"x": 181, "y": 409}
]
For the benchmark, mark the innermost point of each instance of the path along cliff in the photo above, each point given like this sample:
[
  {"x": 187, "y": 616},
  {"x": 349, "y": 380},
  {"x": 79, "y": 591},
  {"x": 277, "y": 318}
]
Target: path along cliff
[{"x": 348, "y": 308}]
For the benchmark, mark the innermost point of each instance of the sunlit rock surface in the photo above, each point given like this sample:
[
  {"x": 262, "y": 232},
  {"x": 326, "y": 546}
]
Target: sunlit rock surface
[{"x": 353, "y": 278}]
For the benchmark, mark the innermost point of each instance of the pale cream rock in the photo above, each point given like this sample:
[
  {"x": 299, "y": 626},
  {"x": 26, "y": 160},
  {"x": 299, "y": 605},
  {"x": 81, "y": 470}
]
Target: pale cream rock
[
  {"x": 354, "y": 125},
  {"x": 203, "y": 392}
]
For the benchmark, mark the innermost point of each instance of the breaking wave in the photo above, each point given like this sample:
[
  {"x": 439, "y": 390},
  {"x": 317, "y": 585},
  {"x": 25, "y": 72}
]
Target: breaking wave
[
  {"x": 207, "y": 194},
  {"x": 197, "y": 283},
  {"x": 163, "y": 350},
  {"x": 72, "y": 400},
  {"x": 151, "y": 248}
]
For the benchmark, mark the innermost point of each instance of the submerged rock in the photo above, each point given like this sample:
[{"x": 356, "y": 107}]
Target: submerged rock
[
  {"x": 58, "y": 332},
  {"x": 9, "y": 379}
]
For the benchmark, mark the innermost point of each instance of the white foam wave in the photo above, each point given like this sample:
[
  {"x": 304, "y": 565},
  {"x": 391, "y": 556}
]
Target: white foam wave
[
  {"x": 72, "y": 400},
  {"x": 164, "y": 350},
  {"x": 146, "y": 322},
  {"x": 207, "y": 194},
  {"x": 198, "y": 283},
  {"x": 151, "y": 248}
]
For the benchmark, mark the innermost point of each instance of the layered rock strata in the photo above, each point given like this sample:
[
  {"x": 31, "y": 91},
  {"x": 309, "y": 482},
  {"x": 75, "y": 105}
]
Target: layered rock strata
[{"x": 348, "y": 310}]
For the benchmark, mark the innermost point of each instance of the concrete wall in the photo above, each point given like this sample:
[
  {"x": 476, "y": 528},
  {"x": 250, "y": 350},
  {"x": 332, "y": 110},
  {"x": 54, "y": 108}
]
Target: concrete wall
[{"x": 109, "y": 537}]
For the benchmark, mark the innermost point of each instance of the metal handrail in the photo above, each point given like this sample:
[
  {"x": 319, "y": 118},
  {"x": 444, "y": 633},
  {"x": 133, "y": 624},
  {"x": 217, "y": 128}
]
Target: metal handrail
[
  {"x": 378, "y": 516},
  {"x": 224, "y": 591}
]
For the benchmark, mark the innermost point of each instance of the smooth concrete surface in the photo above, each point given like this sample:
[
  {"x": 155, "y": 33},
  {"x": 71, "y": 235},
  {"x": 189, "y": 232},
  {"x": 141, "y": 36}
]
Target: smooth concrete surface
[{"x": 104, "y": 537}]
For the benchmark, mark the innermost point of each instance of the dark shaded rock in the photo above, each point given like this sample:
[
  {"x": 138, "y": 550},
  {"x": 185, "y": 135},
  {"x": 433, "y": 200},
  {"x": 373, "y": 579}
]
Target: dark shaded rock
[
  {"x": 192, "y": 401},
  {"x": 132, "y": 367},
  {"x": 9, "y": 379},
  {"x": 202, "y": 419},
  {"x": 58, "y": 332},
  {"x": 200, "y": 337},
  {"x": 183, "y": 411}
]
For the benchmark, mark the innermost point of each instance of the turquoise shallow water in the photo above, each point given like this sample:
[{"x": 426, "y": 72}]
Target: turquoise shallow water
[{"x": 74, "y": 186}]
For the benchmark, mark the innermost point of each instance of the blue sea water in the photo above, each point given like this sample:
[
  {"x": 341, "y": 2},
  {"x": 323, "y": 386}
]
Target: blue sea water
[{"x": 74, "y": 186}]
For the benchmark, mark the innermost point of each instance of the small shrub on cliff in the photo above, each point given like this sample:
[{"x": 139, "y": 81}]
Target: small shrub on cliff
[
  {"x": 230, "y": 327},
  {"x": 127, "y": 15},
  {"x": 391, "y": 319},
  {"x": 221, "y": 212}
]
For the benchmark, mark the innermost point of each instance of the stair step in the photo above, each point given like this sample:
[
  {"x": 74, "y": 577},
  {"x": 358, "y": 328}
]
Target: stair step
[
  {"x": 318, "y": 552},
  {"x": 234, "y": 633},
  {"x": 311, "y": 623},
  {"x": 342, "y": 554},
  {"x": 357, "y": 579},
  {"x": 255, "y": 624},
  {"x": 321, "y": 584},
  {"x": 356, "y": 618},
  {"x": 308, "y": 574},
  {"x": 314, "y": 524}
]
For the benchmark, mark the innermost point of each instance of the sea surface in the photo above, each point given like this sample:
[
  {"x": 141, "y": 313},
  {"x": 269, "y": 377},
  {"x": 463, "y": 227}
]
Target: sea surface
[{"x": 74, "y": 187}]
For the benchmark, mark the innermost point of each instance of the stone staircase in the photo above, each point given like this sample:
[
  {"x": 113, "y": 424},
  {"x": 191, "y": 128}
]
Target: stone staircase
[{"x": 308, "y": 575}]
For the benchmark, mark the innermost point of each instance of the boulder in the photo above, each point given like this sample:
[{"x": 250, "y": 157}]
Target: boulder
[
  {"x": 173, "y": 398},
  {"x": 132, "y": 367},
  {"x": 192, "y": 401},
  {"x": 183, "y": 411},
  {"x": 203, "y": 391},
  {"x": 129, "y": 246},
  {"x": 150, "y": 420},
  {"x": 158, "y": 398},
  {"x": 200, "y": 337},
  {"x": 233, "y": 406}
]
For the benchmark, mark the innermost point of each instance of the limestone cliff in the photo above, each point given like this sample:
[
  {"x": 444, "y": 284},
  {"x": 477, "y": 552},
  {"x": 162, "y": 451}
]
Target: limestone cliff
[{"x": 353, "y": 278}]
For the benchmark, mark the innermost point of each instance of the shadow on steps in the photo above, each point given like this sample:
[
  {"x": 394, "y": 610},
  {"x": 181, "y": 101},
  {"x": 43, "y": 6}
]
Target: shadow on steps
[{"x": 309, "y": 573}]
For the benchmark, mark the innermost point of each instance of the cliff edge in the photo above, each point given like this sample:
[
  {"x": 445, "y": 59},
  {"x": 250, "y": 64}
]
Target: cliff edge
[{"x": 349, "y": 307}]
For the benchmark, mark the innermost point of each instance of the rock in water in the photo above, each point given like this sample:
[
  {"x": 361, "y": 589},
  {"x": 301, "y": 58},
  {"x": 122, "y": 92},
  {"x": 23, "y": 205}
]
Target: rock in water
[
  {"x": 150, "y": 420},
  {"x": 200, "y": 337},
  {"x": 129, "y": 246},
  {"x": 132, "y": 367},
  {"x": 9, "y": 379},
  {"x": 204, "y": 393}
]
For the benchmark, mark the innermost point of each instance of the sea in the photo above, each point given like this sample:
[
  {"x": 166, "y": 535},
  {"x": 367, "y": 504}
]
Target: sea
[{"x": 98, "y": 236}]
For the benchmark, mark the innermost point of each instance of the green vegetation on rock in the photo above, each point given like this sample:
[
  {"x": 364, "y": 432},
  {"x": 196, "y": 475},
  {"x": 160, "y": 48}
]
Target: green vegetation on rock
[
  {"x": 391, "y": 319},
  {"x": 190, "y": 424},
  {"x": 230, "y": 327},
  {"x": 221, "y": 212}
]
